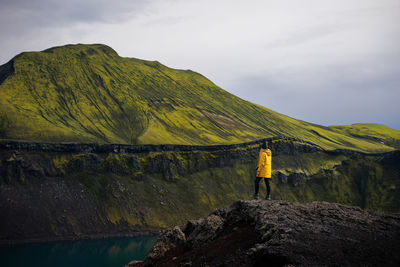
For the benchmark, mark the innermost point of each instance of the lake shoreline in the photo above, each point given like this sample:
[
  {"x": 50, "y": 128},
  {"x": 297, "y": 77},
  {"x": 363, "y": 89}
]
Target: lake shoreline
[{"x": 141, "y": 233}]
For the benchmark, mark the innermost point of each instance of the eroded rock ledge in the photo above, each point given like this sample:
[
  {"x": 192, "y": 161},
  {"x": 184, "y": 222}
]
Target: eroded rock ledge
[
  {"x": 280, "y": 233},
  {"x": 302, "y": 146}
]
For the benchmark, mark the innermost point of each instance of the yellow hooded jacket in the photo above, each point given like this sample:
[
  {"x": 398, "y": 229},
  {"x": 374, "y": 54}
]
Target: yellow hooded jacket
[{"x": 264, "y": 163}]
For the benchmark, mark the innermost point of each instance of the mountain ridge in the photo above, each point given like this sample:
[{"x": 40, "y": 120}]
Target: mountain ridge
[
  {"x": 87, "y": 93},
  {"x": 138, "y": 148}
]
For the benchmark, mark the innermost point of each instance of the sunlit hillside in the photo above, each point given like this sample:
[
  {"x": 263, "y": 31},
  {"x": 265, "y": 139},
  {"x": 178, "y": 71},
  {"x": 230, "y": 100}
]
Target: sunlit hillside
[{"x": 87, "y": 93}]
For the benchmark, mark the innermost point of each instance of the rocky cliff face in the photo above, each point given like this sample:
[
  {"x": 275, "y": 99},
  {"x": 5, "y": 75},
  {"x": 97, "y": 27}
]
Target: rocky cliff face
[
  {"x": 280, "y": 233},
  {"x": 61, "y": 191}
]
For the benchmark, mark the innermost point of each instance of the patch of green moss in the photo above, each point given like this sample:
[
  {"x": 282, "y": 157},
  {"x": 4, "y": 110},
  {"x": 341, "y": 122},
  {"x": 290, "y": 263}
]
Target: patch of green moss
[{"x": 373, "y": 132}]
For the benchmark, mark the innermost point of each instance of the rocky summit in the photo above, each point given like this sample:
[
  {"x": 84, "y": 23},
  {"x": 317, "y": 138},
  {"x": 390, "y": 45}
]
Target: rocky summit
[{"x": 280, "y": 233}]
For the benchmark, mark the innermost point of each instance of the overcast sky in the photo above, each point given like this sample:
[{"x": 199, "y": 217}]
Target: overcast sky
[{"x": 322, "y": 61}]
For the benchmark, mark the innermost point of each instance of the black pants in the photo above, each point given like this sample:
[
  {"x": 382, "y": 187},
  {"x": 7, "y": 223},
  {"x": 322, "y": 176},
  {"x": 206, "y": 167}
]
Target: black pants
[{"x": 257, "y": 184}]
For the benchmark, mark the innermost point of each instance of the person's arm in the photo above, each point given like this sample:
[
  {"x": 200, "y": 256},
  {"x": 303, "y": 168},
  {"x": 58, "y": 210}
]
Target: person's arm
[
  {"x": 258, "y": 165},
  {"x": 262, "y": 162},
  {"x": 264, "y": 159}
]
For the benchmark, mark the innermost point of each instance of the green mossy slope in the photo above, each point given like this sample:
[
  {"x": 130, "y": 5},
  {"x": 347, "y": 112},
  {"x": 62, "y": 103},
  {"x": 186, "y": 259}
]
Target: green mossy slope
[
  {"x": 87, "y": 93},
  {"x": 372, "y": 131}
]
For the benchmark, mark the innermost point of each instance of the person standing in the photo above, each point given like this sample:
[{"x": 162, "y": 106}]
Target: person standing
[{"x": 263, "y": 170}]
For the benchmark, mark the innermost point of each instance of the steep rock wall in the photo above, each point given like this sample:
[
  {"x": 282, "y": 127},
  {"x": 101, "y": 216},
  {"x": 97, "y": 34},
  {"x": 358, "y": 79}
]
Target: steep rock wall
[{"x": 58, "y": 191}]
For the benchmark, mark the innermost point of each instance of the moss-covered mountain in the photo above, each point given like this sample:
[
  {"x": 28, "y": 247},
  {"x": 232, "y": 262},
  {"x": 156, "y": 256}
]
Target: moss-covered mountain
[{"x": 87, "y": 93}]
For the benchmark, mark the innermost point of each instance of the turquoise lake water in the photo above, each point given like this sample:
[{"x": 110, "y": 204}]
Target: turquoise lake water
[{"x": 101, "y": 253}]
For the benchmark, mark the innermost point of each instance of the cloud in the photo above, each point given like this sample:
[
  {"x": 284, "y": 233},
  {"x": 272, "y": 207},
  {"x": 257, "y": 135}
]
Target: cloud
[
  {"x": 55, "y": 12},
  {"x": 20, "y": 16},
  {"x": 331, "y": 95},
  {"x": 36, "y": 25}
]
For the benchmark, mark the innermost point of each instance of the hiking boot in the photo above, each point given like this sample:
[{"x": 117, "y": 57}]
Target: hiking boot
[
  {"x": 256, "y": 196},
  {"x": 268, "y": 197}
]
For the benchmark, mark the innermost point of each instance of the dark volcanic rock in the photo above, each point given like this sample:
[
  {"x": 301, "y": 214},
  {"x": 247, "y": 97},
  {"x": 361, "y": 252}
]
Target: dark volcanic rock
[
  {"x": 279, "y": 233},
  {"x": 168, "y": 239}
]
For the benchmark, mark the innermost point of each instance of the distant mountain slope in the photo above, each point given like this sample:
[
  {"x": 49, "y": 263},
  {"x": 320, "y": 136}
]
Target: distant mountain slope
[
  {"x": 371, "y": 131},
  {"x": 87, "y": 93}
]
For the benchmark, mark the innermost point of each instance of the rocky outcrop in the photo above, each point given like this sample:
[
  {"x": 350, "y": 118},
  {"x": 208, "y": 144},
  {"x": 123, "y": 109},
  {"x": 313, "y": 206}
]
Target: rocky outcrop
[
  {"x": 280, "y": 233},
  {"x": 168, "y": 240}
]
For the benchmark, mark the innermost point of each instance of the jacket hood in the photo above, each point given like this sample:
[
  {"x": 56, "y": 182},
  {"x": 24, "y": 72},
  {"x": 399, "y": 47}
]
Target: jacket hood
[{"x": 268, "y": 151}]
